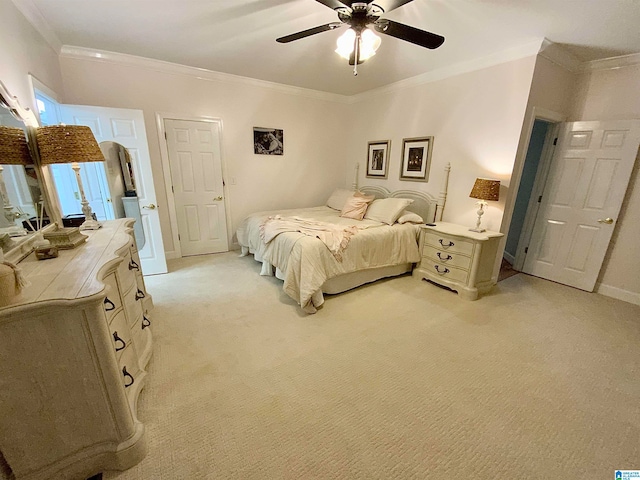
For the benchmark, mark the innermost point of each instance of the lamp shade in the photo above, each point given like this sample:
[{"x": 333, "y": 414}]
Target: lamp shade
[
  {"x": 67, "y": 144},
  {"x": 485, "y": 189},
  {"x": 14, "y": 149}
]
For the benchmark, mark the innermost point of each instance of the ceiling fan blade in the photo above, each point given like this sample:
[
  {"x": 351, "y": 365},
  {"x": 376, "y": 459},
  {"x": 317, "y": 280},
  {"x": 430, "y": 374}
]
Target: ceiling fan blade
[
  {"x": 388, "y": 5},
  {"x": 409, "y": 34},
  {"x": 309, "y": 32},
  {"x": 335, "y": 4}
]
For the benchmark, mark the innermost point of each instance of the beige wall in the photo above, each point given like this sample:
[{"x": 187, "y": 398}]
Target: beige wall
[
  {"x": 614, "y": 95},
  {"x": 24, "y": 51},
  {"x": 314, "y": 132},
  {"x": 475, "y": 119}
]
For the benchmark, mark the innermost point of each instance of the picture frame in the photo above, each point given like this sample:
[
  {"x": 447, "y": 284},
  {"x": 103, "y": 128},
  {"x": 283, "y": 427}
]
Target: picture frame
[
  {"x": 416, "y": 159},
  {"x": 378, "y": 159},
  {"x": 268, "y": 141}
]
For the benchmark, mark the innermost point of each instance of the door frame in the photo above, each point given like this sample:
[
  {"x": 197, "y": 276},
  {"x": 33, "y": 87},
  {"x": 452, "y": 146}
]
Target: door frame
[
  {"x": 536, "y": 113},
  {"x": 166, "y": 169}
]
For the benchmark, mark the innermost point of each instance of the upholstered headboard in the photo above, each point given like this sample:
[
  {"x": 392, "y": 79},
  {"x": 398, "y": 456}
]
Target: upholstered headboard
[{"x": 424, "y": 204}]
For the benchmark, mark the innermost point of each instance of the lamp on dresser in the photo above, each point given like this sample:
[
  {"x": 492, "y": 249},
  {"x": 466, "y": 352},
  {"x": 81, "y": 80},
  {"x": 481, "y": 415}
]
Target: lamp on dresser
[
  {"x": 484, "y": 190},
  {"x": 14, "y": 150},
  {"x": 72, "y": 144}
]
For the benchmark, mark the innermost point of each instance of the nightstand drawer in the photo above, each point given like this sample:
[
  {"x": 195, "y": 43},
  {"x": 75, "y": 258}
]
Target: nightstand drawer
[
  {"x": 445, "y": 271},
  {"x": 448, "y": 244},
  {"x": 446, "y": 257}
]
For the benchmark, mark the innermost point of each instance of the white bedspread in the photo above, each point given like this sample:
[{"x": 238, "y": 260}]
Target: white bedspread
[{"x": 307, "y": 262}]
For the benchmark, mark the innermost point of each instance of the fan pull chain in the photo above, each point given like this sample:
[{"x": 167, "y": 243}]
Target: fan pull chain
[{"x": 356, "y": 51}]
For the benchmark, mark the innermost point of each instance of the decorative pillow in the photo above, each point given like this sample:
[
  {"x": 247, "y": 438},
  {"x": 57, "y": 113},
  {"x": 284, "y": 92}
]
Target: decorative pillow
[
  {"x": 355, "y": 206},
  {"x": 387, "y": 210},
  {"x": 338, "y": 198},
  {"x": 410, "y": 217}
]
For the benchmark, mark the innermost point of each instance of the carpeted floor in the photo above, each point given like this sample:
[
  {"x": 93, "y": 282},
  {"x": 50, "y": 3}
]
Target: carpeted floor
[{"x": 395, "y": 380}]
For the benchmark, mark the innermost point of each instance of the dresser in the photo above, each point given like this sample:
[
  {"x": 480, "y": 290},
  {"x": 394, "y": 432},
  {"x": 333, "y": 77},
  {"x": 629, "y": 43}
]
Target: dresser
[
  {"x": 457, "y": 258},
  {"x": 74, "y": 347}
]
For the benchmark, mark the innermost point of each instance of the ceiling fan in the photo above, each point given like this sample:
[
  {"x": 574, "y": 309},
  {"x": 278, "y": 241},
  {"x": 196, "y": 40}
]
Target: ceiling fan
[{"x": 360, "y": 42}]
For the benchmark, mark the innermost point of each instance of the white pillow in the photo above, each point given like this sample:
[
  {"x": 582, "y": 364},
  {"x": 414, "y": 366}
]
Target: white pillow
[
  {"x": 338, "y": 198},
  {"x": 410, "y": 217},
  {"x": 387, "y": 210}
]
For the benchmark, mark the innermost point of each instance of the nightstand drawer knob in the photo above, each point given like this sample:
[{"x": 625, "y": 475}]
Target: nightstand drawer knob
[
  {"x": 441, "y": 272},
  {"x": 448, "y": 257},
  {"x": 450, "y": 244}
]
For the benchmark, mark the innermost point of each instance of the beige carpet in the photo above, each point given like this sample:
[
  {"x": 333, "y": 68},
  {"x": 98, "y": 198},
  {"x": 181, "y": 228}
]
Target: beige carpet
[{"x": 396, "y": 380}]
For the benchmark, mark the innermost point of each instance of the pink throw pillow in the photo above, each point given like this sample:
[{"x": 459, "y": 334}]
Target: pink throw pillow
[{"x": 355, "y": 207}]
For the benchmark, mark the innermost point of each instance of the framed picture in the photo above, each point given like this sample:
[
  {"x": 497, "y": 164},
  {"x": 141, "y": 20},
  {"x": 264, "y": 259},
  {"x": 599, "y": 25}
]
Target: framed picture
[
  {"x": 268, "y": 141},
  {"x": 378, "y": 159},
  {"x": 416, "y": 159}
]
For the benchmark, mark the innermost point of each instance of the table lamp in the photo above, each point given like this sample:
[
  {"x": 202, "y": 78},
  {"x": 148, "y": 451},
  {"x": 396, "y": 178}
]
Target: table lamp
[
  {"x": 71, "y": 144},
  {"x": 14, "y": 150},
  {"x": 484, "y": 189}
]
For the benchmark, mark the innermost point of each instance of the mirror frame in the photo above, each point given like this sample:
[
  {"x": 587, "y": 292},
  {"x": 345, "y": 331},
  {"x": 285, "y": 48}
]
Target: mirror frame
[{"x": 26, "y": 116}]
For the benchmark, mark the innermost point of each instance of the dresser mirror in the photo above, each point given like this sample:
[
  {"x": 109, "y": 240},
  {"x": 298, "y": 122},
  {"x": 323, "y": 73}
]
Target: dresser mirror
[
  {"x": 23, "y": 199},
  {"x": 122, "y": 186}
]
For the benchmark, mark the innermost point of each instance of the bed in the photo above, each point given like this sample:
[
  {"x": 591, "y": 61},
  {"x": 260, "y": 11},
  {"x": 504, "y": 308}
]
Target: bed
[{"x": 309, "y": 269}]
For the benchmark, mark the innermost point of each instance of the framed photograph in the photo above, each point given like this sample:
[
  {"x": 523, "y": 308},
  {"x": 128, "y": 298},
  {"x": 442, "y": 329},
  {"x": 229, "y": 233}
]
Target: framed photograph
[
  {"x": 416, "y": 159},
  {"x": 268, "y": 141},
  {"x": 378, "y": 159}
]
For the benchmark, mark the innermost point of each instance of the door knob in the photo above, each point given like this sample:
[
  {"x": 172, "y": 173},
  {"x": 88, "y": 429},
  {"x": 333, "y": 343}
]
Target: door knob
[
  {"x": 151, "y": 206},
  {"x": 607, "y": 220},
  {"x": 217, "y": 199}
]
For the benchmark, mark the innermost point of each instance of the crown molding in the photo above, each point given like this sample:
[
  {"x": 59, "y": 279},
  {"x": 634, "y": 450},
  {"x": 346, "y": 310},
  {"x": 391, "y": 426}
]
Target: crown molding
[
  {"x": 612, "y": 63},
  {"x": 81, "y": 53},
  {"x": 37, "y": 20},
  {"x": 560, "y": 56},
  {"x": 508, "y": 55}
]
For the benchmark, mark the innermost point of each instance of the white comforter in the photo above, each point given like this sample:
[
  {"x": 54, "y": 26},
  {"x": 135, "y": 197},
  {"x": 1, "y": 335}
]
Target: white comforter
[{"x": 307, "y": 263}]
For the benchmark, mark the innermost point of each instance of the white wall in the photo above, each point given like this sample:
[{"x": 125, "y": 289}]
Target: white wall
[
  {"x": 24, "y": 51},
  {"x": 475, "y": 119},
  {"x": 314, "y": 131},
  {"x": 613, "y": 95}
]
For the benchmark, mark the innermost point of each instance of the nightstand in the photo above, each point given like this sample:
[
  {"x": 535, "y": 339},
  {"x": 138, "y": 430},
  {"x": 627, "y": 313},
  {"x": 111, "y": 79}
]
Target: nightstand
[{"x": 457, "y": 258}]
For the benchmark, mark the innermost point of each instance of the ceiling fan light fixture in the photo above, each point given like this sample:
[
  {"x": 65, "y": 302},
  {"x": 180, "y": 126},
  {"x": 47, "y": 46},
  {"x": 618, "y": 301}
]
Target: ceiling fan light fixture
[
  {"x": 345, "y": 43},
  {"x": 369, "y": 43}
]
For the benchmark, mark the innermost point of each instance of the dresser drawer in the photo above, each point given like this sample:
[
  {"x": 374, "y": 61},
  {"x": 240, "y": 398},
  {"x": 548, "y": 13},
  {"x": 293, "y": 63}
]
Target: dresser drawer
[
  {"x": 129, "y": 368},
  {"x": 448, "y": 244},
  {"x": 112, "y": 302},
  {"x": 133, "y": 305},
  {"x": 126, "y": 272},
  {"x": 445, "y": 271},
  {"x": 446, "y": 257},
  {"x": 120, "y": 333}
]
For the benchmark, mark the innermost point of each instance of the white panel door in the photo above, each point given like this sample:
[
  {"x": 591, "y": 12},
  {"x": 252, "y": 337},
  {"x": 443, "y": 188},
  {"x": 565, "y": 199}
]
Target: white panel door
[
  {"x": 196, "y": 177},
  {"x": 587, "y": 182},
  {"x": 126, "y": 127}
]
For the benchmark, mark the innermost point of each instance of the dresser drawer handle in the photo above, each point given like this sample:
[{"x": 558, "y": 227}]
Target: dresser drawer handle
[
  {"x": 145, "y": 322},
  {"x": 127, "y": 376},
  {"x": 109, "y": 305},
  {"x": 450, "y": 244},
  {"x": 116, "y": 338},
  {"x": 140, "y": 295},
  {"x": 449, "y": 257},
  {"x": 133, "y": 266},
  {"x": 446, "y": 270}
]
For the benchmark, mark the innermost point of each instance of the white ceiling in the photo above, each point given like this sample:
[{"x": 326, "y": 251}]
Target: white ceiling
[{"x": 238, "y": 36}]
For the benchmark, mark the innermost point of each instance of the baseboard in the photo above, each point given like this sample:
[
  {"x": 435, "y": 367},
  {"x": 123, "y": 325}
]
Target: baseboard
[
  {"x": 172, "y": 255},
  {"x": 618, "y": 293},
  {"x": 509, "y": 258}
]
